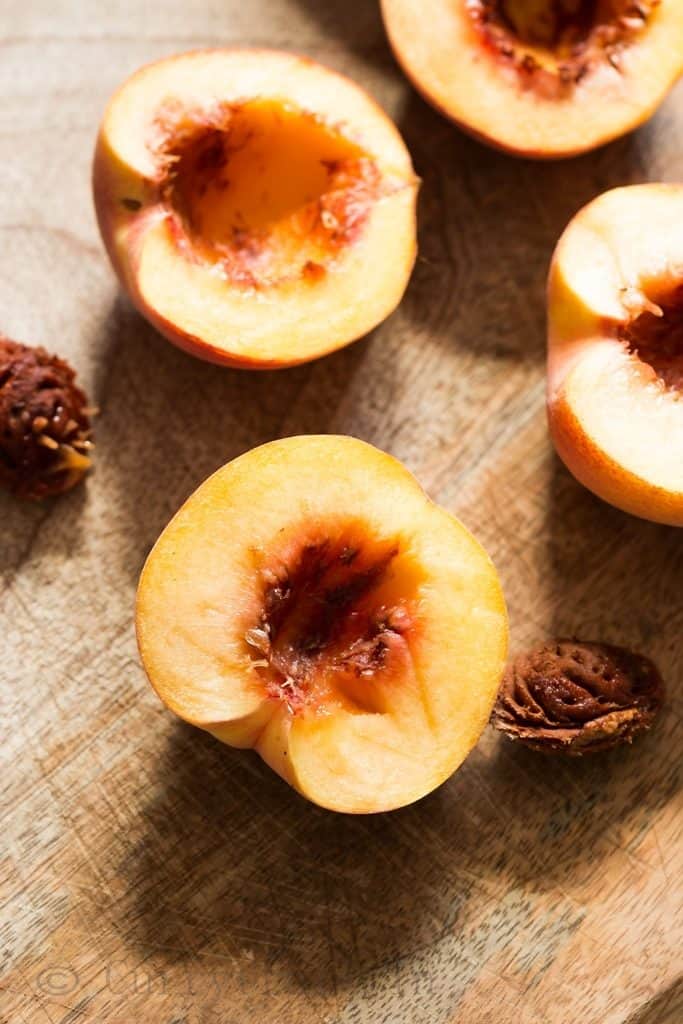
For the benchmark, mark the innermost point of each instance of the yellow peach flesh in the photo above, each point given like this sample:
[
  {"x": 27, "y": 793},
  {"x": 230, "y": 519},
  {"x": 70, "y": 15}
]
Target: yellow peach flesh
[
  {"x": 352, "y": 632},
  {"x": 277, "y": 194}
]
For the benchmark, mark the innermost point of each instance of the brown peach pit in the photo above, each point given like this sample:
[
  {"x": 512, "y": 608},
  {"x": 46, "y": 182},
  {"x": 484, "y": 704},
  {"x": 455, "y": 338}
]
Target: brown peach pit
[
  {"x": 45, "y": 433},
  {"x": 577, "y": 697}
]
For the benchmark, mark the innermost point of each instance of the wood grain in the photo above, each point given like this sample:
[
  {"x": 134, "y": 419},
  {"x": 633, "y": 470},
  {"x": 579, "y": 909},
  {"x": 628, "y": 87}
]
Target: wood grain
[{"x": 150, "y": 874}]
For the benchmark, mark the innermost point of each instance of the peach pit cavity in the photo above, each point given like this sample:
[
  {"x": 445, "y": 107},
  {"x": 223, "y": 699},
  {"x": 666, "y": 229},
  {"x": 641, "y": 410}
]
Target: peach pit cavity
[
  {"x": 335, "y": 614},
  {"x": 264, "y": 191},
  {"x": 553, "y": 44}
]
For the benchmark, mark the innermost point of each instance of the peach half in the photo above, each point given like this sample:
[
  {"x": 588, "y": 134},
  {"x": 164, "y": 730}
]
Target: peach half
[
  {"x": 311, "y": 602},
  {"x": 258, "y": 208},
  {"x": 615, "y": 349},
  {"x": 540, "y": 78}
]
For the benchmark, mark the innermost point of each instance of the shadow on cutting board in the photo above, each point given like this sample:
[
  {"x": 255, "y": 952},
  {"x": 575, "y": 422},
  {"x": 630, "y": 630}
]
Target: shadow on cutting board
[
  {"x": 169, "y": 420},
  {"x": 357, "y": 27},
  {"x": 229, "y": 858},
  {"x": 617, "y": 577},
  {"x": 258, "y": 870},
  {"x": 666, "y": 1008},
  {"x": 487, "y": 226}
]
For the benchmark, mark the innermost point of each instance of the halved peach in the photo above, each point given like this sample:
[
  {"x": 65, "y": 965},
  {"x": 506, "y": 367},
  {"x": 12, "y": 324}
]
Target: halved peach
[
  {"x": 540, "y": 78},
  {"x": 258, "y": 208},
  {"x": 311, "y": 602},
  {"x": 615, "y": 349}
]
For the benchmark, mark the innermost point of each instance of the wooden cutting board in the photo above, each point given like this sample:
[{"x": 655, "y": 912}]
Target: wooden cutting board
[{"x": 152, "y": 875}]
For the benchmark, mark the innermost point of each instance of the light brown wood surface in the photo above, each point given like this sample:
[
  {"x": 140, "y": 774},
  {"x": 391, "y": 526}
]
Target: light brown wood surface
[{"x": 150, "y": 874}]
